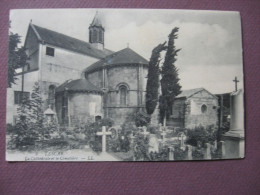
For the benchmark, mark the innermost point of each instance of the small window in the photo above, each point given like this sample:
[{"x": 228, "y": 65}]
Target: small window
[
  {"x": 19, "y": 96},
  {"x": 123, "y": 95},
  {"x": 49, "y": 51},
  {"x": 204, "y": 108}
]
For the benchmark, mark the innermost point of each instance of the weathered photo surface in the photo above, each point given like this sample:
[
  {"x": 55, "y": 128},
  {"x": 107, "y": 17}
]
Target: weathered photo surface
[{"x": 124, "y": 85}]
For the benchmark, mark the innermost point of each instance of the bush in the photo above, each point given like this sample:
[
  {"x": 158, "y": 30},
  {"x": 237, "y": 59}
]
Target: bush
[
  {"x": 95, "y": 142},
  {"x": 197, "y": 154},
  {"x": 179, "y": 154},
  {"x": 200, "y": 135},
  {"x": 162, "y": 155},
  {"x": 141, "y": 145}
]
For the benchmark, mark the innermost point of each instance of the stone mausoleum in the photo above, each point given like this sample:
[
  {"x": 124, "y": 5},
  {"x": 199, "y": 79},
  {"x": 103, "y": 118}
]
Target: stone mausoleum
[{"x": 195, "y": 107}]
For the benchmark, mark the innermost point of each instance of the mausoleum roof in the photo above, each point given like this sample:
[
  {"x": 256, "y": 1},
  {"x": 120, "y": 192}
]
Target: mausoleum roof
[
  {"x": 67, "y": 42},
  {"x": 190, "y": 92},
  {"x": 79, "y": 85},
  {"x": 124, "y": 56}
]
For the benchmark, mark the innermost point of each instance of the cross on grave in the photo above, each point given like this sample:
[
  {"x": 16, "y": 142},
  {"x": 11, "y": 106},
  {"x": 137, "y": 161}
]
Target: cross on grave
[
  {"x": 236, "y": 81},
  {"x": 163, "y": 135},
  {"x": 182, "y": 141},
  {"x": 104, "y": 134},
  {"x": 145, "y": 133}
]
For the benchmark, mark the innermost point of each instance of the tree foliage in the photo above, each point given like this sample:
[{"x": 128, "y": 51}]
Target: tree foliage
[
  {"x": 170, "y": 79},
  {"x": 153, "y": 78},
  {"x": 17, "y": 57},
  {"x": 30, "y": 125}
]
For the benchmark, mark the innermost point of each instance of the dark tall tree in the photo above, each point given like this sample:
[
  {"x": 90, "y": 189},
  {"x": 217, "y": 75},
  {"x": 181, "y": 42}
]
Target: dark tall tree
[
  {"x": 17, "y": 57},
  {"x": 153, "y": 79},
  {"x": 170, "y": 79}
]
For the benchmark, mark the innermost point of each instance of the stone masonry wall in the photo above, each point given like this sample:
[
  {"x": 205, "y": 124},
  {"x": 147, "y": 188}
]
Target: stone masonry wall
[{"x": 194, "y": 115}]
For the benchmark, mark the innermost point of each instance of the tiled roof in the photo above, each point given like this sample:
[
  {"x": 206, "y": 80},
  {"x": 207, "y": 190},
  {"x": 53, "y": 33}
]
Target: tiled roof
[
  {"x": 67, "y": 42},
  {"x": 190, "y": 92},
  {"x": 80, "y": 85},
  {"x": 125, "y": 56}
]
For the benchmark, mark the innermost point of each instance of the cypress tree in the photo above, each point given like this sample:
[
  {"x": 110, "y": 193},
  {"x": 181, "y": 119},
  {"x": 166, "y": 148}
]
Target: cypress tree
[
  {"x": 170, "y": 80},
  {"x": 153, "y": 79},
  {"x": 17, "y": 57}
]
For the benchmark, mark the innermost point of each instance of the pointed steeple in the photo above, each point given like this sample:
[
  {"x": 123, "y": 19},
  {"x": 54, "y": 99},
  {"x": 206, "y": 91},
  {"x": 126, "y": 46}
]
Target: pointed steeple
[
  {"x": 96, "y": 33},
  {"x": 96, "y": 21}
]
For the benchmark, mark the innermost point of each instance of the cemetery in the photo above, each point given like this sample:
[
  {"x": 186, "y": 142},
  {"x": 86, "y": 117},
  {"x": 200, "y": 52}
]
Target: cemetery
[{"x": 129, "y": 142}]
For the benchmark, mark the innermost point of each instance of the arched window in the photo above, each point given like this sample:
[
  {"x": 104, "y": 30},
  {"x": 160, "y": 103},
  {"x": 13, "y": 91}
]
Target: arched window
[
  {"x": 204, "y": 108},
  {"x": 123, "y": 95}
]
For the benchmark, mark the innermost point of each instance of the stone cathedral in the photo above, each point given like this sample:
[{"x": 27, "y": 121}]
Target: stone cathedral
[
  {"x": 83, "y": 81},
  {"x": 80, "y": 81}
]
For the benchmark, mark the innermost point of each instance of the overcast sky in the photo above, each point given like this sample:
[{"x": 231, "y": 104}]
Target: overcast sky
[{"x": 210, "y": 41}]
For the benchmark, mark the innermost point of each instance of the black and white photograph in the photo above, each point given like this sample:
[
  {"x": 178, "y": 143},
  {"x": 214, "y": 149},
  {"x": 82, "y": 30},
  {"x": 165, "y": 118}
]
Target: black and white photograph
[{"x": 124, "y": 85}]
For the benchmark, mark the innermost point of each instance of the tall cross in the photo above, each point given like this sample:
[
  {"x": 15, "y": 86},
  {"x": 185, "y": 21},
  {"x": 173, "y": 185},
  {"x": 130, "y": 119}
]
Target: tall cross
[
  {"x": 236, "y": 81},
  {"x": 104, "y": 134}
]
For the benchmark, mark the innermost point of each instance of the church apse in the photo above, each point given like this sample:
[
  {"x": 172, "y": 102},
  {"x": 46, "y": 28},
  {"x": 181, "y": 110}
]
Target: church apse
[{"x": 122, "y": 76}]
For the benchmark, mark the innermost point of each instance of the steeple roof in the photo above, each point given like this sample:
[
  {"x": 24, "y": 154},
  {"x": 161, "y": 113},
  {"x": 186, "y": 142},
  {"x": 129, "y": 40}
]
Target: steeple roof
[
  {"x": 122, "y": 57},
  {"x": 96, "y": 21}
]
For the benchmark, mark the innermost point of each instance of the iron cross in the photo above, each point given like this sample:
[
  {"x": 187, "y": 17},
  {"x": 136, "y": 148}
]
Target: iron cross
[{"x": 236, "y": 81}]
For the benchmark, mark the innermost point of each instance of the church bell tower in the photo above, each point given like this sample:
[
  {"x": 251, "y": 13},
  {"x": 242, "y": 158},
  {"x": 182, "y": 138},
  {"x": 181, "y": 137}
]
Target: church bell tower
[{"x": 96, "y": 33}]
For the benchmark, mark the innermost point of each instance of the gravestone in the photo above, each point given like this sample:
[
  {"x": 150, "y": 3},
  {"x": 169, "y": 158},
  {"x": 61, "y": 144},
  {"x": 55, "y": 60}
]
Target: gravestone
[
  {"x": 235, "y": 137},
  {"x": 163, "y": 134},
  {"x": 171, "y": 153},
  {"x": 104, "y": 134},
  {"x": 153, "y": 144},
  {"x": 207, "y": 154},
  {"x": 189, "y": 152},
  {"x": 182, "y": 137}
]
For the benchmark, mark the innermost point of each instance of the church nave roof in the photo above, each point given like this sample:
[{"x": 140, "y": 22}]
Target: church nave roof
[{"x": 67, "y": 42}]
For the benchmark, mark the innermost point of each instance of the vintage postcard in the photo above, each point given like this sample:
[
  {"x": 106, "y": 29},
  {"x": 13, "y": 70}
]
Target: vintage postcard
[{"x": 124, "y": 85}]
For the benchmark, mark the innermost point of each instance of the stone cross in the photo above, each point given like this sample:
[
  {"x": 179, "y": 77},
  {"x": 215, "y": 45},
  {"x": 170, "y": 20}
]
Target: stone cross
[
  {"x": 163, "y": 135},
  {"x": 236, "y": 81},
  {"x": 145, "y": 133},
  {"x": 182, "y": 141},
  {"x": 104, "y": 135}
]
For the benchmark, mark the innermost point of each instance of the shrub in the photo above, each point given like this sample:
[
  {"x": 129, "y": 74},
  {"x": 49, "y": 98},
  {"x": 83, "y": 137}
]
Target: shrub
[
  {"x": 179, "y": 154},
  {"x": 197, "y": 154},
  {"x": 200, "y": 135},
  {"x": 162, "y": 155},
  {"x": 95, "y": 142},
  {"x": 141, "y": 145}
]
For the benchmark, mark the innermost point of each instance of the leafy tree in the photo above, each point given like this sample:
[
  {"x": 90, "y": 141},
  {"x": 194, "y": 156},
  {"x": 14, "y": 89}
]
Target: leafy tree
[
  {"x": 17, "y": 57},
  {"x": 170, "y": 80},
  {"x": 30, "y": 126},
  {"x": 153, "y": 79}
]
